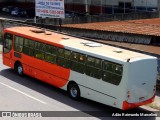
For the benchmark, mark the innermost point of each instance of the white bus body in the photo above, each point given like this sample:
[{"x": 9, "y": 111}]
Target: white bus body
[{"x": 138, "y": 83}]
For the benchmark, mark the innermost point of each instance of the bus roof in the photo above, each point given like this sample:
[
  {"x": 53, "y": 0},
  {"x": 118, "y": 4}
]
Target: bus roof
[{"x": 77, "y": 44}]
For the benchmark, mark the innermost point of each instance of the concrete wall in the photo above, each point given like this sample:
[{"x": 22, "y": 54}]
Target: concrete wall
[
  {"x": 4, "y": 23},
  {"x": 102, "y": 35}
]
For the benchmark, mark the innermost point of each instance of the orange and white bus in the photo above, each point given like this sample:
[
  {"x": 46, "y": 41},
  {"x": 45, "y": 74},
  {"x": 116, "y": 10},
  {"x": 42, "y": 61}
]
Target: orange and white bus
[{"x": 117, "y": 77}]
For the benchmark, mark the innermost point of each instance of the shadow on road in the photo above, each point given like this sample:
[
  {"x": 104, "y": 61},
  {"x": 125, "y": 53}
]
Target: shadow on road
[{"x": 91, "y": 108}]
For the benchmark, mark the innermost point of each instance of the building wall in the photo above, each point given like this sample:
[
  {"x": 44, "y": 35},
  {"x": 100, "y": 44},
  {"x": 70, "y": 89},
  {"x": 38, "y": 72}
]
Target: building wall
[
  {"x": 114, "y": 2},
  {"x": 149, "y": 3},
  {"x": 111, "y": 6},
  {"x": 96, "y": 7}
]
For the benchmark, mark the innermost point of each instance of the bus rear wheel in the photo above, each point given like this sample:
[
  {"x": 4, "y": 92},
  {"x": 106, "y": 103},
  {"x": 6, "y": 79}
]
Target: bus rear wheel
[
  {"x": 74, "y": 91},
  {"x": 19, "y": 69}
]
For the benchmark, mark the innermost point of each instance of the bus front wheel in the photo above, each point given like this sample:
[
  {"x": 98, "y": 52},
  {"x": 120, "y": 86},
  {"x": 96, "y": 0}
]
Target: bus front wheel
[
  {"x": 74, "y": 91},
  {"x": 19, "y": 69}
]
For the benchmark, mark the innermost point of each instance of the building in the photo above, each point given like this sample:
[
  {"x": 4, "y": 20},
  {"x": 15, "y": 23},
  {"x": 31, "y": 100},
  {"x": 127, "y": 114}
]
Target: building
[
  {"x": 101, "y": 7},
  {"x": 110, "y": 6}
]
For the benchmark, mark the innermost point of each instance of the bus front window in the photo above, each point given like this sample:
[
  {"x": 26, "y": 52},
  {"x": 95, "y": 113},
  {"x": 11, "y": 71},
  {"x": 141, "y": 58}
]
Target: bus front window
[{"x": 7, "y": 42}]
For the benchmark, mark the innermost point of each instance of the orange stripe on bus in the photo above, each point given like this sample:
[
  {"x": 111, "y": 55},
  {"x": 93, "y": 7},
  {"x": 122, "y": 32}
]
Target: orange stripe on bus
[
  {"x": 47, "y": 72},
  {"x": 127, "y": 105}
]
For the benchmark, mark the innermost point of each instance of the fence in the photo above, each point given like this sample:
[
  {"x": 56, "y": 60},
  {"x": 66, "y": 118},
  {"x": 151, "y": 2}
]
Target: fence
[{"x": 97, "y": 18}]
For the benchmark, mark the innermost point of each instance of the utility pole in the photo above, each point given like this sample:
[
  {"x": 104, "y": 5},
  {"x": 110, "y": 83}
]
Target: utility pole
[
  {"x": 134, "y": 5},
  {"x": 124, "y": 6},
  {"x": 112, "y": 7},
  {"x": 146, "y": 5},
  {"x": 101, "y": 8},
  {"x": 86, "y": 7}
]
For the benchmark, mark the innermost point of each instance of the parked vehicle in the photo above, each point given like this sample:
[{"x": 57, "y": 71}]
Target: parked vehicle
[
  {"x": 7, "y": 9},
  {"x": 19, "y": 12},
  {"x": 72, "y": 14}
]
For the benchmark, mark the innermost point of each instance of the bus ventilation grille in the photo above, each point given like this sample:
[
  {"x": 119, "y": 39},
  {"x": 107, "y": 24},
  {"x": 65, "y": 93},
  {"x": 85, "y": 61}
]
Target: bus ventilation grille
[
  {"x": 91, "y": 44},
  {"x": 65, "y": 38},
  {"x": 118, "y": 51},
  {"x": 37, "y": 31},
  {"x": 48, "y": 33}
]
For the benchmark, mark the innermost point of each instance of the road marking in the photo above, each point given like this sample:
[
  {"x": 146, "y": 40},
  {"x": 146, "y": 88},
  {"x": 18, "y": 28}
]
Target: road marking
[{"x": 23, "y": 93}]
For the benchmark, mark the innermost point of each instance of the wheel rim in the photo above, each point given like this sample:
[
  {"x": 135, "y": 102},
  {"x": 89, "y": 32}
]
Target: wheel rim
[
  {"x": 20, "y": 70},
  {"x": 73, "y": 92}
]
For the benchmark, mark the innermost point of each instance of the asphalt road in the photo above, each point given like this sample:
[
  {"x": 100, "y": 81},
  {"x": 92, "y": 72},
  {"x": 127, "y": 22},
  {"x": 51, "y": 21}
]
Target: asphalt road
[{"x": 28, "y": 94}]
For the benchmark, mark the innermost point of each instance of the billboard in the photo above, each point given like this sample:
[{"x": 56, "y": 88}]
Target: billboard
[{"x": 50, "y": 8}]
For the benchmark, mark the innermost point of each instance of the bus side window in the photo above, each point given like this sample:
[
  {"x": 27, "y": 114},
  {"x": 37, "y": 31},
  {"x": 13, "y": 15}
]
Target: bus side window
[
  {"x": 18, "y": 44},
  {"x": 39, "y": 50},
  {"x": 112, "y": 72},
  {"x": 28, "y": 47},
  {"x": 7, "y": 42},
  {"x": 50, "y": 54},
  {"x": 93, "y": 67},
  {"x": 78, "y": 62},
  {"x": 63, "y": 57}
]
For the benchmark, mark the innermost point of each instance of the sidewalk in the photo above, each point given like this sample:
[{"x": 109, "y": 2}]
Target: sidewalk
[{"x": 156, "y": 102}]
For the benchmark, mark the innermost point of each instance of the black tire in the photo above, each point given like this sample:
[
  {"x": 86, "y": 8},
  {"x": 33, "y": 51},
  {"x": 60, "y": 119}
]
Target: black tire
[
  {"x": 74, "y": 91},
  {"x": 19, "y": 69}
]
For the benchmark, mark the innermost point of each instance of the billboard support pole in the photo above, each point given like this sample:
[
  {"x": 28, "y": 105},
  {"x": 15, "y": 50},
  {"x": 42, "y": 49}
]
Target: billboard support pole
[
  {"x": 35, "y": 19},
  {"x": 60, "y": 24}
]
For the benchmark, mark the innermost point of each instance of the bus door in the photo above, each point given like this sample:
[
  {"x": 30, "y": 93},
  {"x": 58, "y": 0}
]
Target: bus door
[{"x": 7, "y": 49}]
